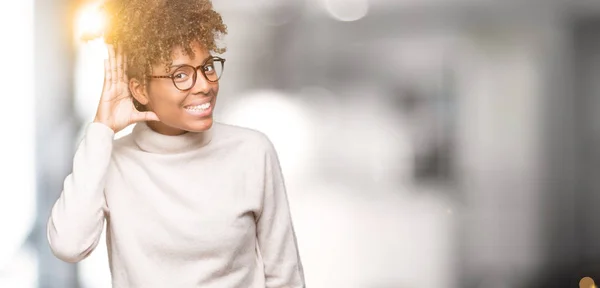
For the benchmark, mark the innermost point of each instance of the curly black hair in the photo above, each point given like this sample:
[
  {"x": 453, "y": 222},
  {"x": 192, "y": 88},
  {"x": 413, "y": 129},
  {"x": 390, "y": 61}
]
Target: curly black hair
[{"x": 148, "y": 30}]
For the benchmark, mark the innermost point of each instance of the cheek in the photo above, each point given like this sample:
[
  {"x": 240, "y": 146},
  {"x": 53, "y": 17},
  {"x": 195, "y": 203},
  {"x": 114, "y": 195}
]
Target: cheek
[{"x": 165, "y": 98}]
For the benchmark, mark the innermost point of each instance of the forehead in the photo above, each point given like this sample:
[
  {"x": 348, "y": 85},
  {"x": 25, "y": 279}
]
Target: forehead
[{"x": 181, "y": 57}]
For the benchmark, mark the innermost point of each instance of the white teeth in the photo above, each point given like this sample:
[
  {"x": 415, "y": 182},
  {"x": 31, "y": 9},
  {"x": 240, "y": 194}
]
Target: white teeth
[{"x": 199, "y": 107}]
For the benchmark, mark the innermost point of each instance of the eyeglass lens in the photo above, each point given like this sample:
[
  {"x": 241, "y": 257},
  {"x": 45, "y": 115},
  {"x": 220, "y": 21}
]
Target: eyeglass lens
[{"x": 185, "y": 77}]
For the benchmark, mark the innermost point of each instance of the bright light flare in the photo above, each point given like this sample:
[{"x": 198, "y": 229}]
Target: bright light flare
[{"x": 90, "y": 22}]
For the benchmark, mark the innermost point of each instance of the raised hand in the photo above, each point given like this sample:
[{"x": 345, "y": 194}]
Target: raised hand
[{"x": 116, "y": 109}]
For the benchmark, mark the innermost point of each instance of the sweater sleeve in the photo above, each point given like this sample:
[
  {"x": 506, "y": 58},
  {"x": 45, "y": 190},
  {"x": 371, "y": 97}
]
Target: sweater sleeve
[
  {"x": 77, "y": 217},
  {"x": 275, "y": 232}
]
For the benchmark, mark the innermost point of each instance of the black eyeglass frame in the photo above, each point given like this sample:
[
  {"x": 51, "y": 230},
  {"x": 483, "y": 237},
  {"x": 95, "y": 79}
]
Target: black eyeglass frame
[{"x": 211, "y": 59}]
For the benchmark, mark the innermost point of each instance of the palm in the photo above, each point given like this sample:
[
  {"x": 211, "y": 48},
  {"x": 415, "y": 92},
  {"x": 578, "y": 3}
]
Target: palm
[{"x": 122, "y": 109}]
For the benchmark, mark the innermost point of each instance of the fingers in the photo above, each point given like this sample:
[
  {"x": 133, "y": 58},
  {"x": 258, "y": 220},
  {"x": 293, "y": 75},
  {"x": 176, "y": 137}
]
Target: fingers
[
  {"x": 144, "y": 116},
  {"x": 120, "y": 63},
  {"x": 114, "y": 70},
  {"x": 113, "y": 63},
  {"x": 125, "y": 78},
  {"x": 107, "y": 76}
]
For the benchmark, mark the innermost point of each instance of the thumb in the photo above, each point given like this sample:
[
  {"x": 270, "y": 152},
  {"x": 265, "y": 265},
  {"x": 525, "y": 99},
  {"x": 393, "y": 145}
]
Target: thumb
[{"x": 144, "y": 116}]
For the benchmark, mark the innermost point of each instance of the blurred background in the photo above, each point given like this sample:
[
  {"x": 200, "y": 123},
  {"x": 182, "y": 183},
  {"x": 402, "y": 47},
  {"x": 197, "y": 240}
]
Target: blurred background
[{"x": 425, "y": 143}]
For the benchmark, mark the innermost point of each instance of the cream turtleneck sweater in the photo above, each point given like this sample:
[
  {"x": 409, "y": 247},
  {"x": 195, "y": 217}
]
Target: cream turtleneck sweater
[{"x": 197, "y": 210}]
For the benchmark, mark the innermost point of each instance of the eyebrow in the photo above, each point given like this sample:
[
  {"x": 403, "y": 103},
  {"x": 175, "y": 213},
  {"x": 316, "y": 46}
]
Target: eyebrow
[{"x": 179, "y": 65}]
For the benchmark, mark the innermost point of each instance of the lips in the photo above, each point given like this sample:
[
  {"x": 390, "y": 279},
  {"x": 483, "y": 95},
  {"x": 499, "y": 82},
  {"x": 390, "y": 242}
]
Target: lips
[
  {"x": 199, "y": 107},
  {"x": 199, "y": 104}
]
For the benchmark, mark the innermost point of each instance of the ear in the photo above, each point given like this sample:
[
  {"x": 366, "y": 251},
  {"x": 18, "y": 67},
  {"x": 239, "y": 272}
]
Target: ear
[{"x": 138, "y": 91}]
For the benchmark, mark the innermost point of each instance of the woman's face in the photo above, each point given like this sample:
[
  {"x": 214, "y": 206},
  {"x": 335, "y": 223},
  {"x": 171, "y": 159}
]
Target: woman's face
[{"x": 181, "y": 111}]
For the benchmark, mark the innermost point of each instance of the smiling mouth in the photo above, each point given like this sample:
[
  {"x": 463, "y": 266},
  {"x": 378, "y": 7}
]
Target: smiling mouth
[{"x": 198, "y": 108}]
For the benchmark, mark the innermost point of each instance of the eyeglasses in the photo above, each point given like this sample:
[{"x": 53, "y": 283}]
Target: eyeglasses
[{"x": 184, "y": 77}]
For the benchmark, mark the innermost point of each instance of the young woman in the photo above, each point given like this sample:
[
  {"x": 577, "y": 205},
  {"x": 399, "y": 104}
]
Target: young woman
[{"x": 188, "y": 202}]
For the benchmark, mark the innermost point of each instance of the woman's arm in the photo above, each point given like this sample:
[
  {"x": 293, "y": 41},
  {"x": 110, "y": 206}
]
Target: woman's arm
[
  {"x": 275, "y": 232},
  {"x": 77, "y": 217}
]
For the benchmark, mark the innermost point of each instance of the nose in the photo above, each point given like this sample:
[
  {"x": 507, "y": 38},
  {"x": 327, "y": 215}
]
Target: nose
[{"x": 201, "y": 86}]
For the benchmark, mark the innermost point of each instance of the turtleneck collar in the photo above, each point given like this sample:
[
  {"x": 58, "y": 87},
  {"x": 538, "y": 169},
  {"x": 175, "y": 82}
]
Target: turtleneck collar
[{"x": 153, "y": 142}]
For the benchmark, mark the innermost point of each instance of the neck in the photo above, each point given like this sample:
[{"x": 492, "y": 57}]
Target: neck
[{"x": 162, "y": 128}]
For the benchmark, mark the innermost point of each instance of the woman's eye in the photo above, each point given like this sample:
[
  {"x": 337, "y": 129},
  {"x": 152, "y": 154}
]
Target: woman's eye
[
  {"x": 180, "y": 76},
  {"x": 209, "y": 68}
]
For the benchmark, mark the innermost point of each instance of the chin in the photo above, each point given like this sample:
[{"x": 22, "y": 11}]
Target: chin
[{"x": 200, "y": 125}]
